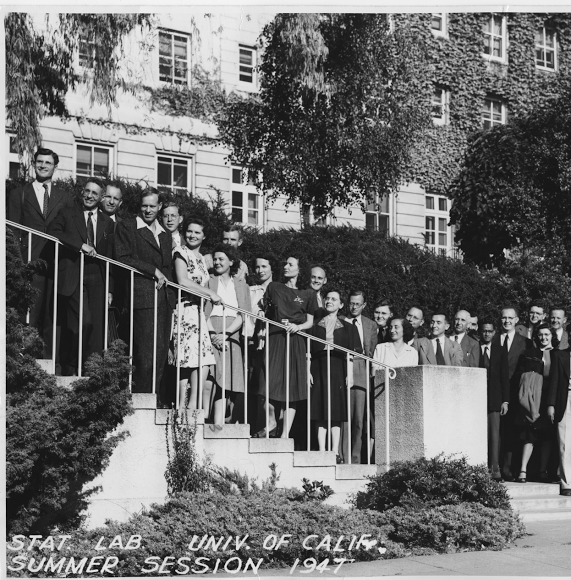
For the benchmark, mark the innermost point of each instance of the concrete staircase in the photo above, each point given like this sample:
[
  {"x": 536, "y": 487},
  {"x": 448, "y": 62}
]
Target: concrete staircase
[
  {"x": 47, "y": 365},
  {"x": 539, "y": 501}
]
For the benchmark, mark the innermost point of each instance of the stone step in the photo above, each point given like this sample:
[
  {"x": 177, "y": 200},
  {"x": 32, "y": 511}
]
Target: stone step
[
  {"x": 355, "y": 471},
  {"x": 541, "y": 502},
  {"x": 228, "y": 431},
  {"x": 144, "y": 400},
  {"x": 546, "y": 515},
  {"x": 517, "y": 490},
  {"x": 269, "y": 445},
  {"x": 162, "y": 414},
  {"x": 46, "y": 364},
  {"x": 313, "y": 458}
]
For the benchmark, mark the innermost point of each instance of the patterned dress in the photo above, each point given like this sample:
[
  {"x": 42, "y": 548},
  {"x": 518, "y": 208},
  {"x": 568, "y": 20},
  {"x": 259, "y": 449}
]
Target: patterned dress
[{"x": 187, "y": 348}]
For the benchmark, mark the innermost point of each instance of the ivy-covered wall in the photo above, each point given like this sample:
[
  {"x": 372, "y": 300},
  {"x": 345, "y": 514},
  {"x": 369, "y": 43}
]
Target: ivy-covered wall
[{"x": 458, "y": 66}]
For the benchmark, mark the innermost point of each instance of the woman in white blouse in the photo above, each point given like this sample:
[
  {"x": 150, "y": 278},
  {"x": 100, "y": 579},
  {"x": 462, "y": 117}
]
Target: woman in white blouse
[{"x": 397, "y": 352}]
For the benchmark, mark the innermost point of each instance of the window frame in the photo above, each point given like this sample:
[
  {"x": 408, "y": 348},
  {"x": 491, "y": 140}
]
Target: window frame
[
  {"x": 544, "y": 48},
  {"x": 444, "y": 19},
  {"x": 503, "y": 112},
  {"x": 189, "y": 173},
  {"x": 435, "y": 213},
  {"x": 444, "y": 118},
  {"x": 373, "y": 208},
  {"x": 246, "y": 190},
  {"x": 188, "y": 38},
  {"x": 246, "y": 85},
  {"x": 12, "y": 157},
  {"x": 94, "y": 145},
  {"x": 504, "y": 37},
  {"x": 84, "y": 37}
]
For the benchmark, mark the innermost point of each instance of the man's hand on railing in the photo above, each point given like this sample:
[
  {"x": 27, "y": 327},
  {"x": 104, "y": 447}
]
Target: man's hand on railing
[
  {"x": 161, "y": 278},
  {"x": 87, "y": 249}
]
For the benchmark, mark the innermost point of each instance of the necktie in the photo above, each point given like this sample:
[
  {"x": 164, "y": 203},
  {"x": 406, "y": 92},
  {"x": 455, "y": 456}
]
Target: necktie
[
  {"x": 505, "y": 345},
  {"x": 439, "y": 354},
  {"x": 456, "y": 337},
  {"x": 357, "y": 327},
  {"x": 486, "y": 357},
  {"x": 90, "y": 233},
  {"x": 46, "y": 201}
]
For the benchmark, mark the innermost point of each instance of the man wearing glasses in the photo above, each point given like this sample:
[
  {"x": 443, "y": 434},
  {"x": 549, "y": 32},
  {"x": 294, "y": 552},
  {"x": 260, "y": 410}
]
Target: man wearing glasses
[{"x": 82, "y": 229}]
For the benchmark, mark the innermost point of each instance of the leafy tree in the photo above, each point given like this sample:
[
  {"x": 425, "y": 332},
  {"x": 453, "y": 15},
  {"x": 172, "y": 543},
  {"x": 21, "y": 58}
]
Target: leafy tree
[
  {"x": 513, "y": 190},
  {"x": 40, "y": 66},
  {"x": 342, "y": 100}
]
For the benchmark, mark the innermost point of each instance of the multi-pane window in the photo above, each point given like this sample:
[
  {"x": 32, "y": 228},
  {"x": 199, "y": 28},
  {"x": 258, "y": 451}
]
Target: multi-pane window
[
  {"x": 92, "y": 160},
  {"x": 246, "y": 202},
  {"x": 247, "y": 65},
  {"x": 495, "y": 37},
  {"x": 13, "y": 160},
  {"x": 86, "y": 49},
  {"x": 493, "y": 113},
  {"x": 439, "y": 108},
  {"x": 438, "y": 235},
  {"x": 174, "y": 57},
  {"x": 172, "y": 174},
  {"x": 546, "y": 49},
  {"x": 438, "y": 23},
  {"x": 378, "y": 215}
]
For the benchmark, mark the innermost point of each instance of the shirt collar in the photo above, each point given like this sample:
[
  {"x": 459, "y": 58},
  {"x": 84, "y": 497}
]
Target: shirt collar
[
  {"x": 158, "y": 228},
  {"x": 461, "y": 336}
]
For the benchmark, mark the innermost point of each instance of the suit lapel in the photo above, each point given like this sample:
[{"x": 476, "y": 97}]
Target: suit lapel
[
  {"x": 146, "y": 234},
  {"x": 426, "y": 346},
  {"x": 32, "y": 199},
  {"x": 55, "y": 197},
  {"x": 101, "y": 227},
  {"x": 566, "y": 364},
  {"x": 446, "y": 350},
  {"x": 80, "y": 223}
]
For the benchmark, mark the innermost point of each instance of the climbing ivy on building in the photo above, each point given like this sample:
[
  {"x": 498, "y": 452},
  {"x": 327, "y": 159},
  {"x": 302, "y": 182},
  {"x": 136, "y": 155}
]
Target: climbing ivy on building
[{"x": 460, "y": 68}]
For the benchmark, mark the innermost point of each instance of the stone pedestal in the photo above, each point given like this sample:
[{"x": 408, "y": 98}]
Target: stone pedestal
[{"x": 432, "y": 410}]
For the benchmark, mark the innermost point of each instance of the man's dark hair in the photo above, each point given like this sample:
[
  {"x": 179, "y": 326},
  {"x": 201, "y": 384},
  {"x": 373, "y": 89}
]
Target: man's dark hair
[
  {"x": 230, "y": 253},
  {"x": 538, "y": 304},
  {"x": 384, "y": 302},
  {"x": 235, "y": 228},
  {"x": 558, "y": 307},
  {"x": 511, "y": 307},
  {"x": 357, "y": 293},
  {"x": 407, "y": 330},
  {"x": 151, "y": 191},
  {"x": 115, "y": 183},
  {"x": 43, "y": 151},
  {"x": 96, "y": 181},
  {"x": 488, "y": 321},
  {"x": 417, "y": 308},
  {"x": 440, "y": 314}
]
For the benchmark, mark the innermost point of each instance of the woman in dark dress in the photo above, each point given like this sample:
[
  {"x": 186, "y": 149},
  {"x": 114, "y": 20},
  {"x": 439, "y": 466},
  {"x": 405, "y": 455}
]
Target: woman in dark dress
[
  {"x": 342, "y": 333},
  {"x": 537, "y": 362},
  {"x": 294, "y": 308}
]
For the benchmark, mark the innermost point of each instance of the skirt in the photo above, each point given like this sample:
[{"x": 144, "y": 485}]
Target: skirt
[
  {"x": 234, "y": 379},
  {"x": 319, "y": 399},
  {"x": 276, "y": 374},
  {"x": 187, "y": 348}
]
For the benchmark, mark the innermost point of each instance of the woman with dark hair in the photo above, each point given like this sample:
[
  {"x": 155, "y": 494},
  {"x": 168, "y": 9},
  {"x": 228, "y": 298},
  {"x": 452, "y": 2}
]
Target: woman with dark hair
[
  {"x": 534, "y": 365},
  {"x": 329, "y": 389},
  {"x": 294, "y": 308},
  {"x": 397, "y": 352},
  {"x": 224, "y": 326},
  {"x": 192, "y": 273}
]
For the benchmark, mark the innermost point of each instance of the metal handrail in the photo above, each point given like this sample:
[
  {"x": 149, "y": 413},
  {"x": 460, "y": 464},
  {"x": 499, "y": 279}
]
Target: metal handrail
[{"x": 392, "y": 371}]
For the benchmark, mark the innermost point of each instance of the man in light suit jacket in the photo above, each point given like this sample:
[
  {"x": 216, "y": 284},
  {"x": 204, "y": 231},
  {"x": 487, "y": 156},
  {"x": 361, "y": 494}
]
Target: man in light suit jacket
[
  {"x": 440, "y": 350},
  {"x": 558, "y": 320},
  {"x": 470, "y": 346},
  {"x": 368, "y": 335},
  {"x": 36, "y": 205},
  {"x": 143, "y": 243},
  {"x": 82, "y": 229},
  {"x": 559, "y": 411}
]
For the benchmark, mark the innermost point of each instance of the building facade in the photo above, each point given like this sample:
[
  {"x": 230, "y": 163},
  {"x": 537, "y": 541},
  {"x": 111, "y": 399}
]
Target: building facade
[{"x": 487, "y": 67}]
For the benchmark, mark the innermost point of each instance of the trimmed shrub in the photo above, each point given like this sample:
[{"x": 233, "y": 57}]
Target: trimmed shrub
[{"x": 433, "y": 482}]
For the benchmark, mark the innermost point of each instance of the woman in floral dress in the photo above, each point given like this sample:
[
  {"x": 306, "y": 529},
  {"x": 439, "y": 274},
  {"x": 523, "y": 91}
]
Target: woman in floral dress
[{"x": 192, "y": 273}]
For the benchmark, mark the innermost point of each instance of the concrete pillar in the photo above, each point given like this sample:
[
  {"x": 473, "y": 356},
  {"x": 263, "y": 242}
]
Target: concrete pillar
[{"x": 432, "y": 410}]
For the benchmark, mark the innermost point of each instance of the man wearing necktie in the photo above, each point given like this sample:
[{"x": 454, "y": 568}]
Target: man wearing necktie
[
  {"x": 470, "y": 346},
  {"x": 36, "y": 205},
  {"x": 317, "y": 281},
  {"x": 487, "y": 331},
  {"x": 82, "y": 229},
  {"x": 503, "y": 386},
  {"x": 447, "y": 353}
]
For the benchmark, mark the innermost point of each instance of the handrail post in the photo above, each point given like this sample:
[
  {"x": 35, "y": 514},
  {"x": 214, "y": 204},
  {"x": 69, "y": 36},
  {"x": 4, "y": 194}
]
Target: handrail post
[
  {"x": 106, "y": 307},
  {"x": 349, "y": 385},
  {"x": 368, "y": 413},
  {"x": 155, "y": 317},
  {"x": 54, "y": 321},
  {"x": 179, "y": 314},
  {"x": 131, "y": 316},
  {"x": 328, "y": 351},
  {"x": 80, "y": 346},
  {"x": 267, "y": 346},
  {"x": 55, "y": 288},
  {"x": 387, "y": 431},
  {"x": 308, "y": 372},
  {"x": 224, "y": 345},
  {"x": 246, "y": 340},
  {"x": 199, "y": 393},
  {"x": 286, "y": 414}
]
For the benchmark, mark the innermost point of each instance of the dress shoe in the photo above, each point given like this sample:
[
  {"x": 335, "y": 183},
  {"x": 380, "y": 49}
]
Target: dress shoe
[
  {"x": 507, "y": 476},
  {"x": 521, "y": 479},
  {"x": 261, "y": 434},
  {"x": 566, "y": 492},
  {"x": 339, "y": 460}
]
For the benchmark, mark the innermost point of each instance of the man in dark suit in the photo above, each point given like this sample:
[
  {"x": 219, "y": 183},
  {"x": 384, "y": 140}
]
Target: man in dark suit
[
  {"x": 317, "y": 281},
  {"x": 559, "y": 411},
  {"x": 513, "y": 345},
  {"x": 383, "y": 313},
  {"x": 36, "y": 205},
  {"x": 487, "y": 332},
  {"x": 558, "y": 320},
  {"x": 142, "y": 243},
  {"x": 470, "y": 346},
  {"x": 367, "y": 330},
  {"x": 439, "y": 350},
  {"x": 536, "y": 314},
  {"x": 82, "y": 229},
  {"x": 112, "y": 201}
]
